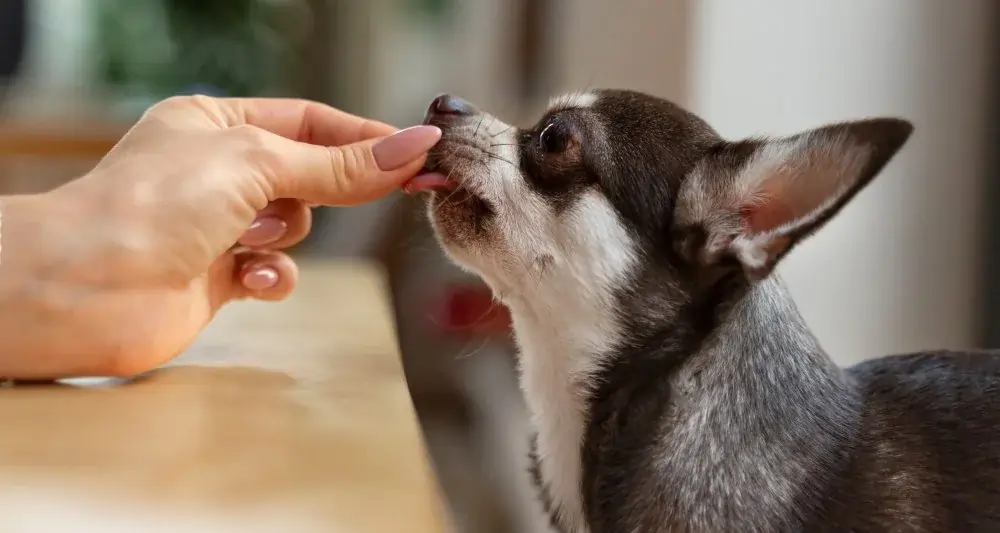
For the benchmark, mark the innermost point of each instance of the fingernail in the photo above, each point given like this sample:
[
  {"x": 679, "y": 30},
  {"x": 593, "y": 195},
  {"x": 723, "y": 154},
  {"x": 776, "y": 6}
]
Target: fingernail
[
  {"x": 404, "y": 146},
  {"x": 260, "y": 278},
  {"x": 264, "y": 231}
]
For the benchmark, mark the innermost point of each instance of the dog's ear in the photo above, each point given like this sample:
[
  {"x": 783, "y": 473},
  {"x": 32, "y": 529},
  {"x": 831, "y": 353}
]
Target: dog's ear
[{"x": 753, "y": 200}]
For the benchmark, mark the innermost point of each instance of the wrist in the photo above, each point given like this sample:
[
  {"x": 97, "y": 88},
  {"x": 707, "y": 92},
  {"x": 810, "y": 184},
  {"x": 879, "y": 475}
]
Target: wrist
[
  {"x": 35, "y": 329},
  {"x": 23, "y": 246}
]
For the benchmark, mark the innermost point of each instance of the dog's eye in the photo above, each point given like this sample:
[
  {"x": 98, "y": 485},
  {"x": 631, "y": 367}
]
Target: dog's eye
[{"x": 554, "y": 139}]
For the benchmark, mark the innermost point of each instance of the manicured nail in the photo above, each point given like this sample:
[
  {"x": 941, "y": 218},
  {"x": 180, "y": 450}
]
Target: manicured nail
[
  {"x": 260, "y": 278},
  {"x": 404, "y": 146},
  {"x": 264, "y": 231}
]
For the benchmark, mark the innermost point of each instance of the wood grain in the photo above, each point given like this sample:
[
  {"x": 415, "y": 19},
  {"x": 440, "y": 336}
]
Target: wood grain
[
  {"x": 58, "y": 140},
  {"x": 291, "y": 416}
]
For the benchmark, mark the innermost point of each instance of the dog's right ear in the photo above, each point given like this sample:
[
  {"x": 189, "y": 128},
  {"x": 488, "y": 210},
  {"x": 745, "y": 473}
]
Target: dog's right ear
[{"x": 752, "y": 201}]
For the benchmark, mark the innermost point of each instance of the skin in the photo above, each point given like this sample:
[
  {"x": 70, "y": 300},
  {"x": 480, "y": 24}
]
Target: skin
[{"x": 117, "y": 272}]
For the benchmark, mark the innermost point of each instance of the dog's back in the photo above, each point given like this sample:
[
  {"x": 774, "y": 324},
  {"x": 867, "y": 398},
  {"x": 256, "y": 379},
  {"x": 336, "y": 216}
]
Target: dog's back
[{"x": 928, "y": 453}]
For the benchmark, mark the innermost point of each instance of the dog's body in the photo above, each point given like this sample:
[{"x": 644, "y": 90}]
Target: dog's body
[
  {"x": 671, "y": 381},
  {"x": 761, "y": 432}
]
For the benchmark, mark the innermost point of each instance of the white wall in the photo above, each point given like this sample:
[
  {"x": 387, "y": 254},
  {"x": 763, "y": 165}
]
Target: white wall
[
  {"x": 57, "y": 75},
  {"x": 899, "y": 269},
  {"x": 634, "y": 44}
]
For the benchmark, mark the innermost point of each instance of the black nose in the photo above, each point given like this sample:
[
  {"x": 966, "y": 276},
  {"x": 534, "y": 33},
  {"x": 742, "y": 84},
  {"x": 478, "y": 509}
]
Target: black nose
[{"x": 447, "y": 104}]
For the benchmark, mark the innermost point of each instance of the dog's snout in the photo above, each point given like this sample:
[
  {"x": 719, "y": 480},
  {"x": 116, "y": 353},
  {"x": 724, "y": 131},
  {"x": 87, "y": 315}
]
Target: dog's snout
[{"x": 447, "y": 104}]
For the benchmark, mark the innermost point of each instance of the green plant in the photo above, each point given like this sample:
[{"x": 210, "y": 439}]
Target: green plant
[{"x": 163, "y": 47}]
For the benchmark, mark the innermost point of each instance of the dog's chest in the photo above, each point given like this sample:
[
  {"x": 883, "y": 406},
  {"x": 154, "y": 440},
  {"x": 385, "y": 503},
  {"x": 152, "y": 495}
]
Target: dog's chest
[
  {"x": 557, "y": 379},
  {"x": 557, "y": 414}
]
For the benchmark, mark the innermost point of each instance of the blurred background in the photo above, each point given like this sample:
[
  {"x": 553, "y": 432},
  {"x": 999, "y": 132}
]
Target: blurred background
[{"x": 908, "y": 265}]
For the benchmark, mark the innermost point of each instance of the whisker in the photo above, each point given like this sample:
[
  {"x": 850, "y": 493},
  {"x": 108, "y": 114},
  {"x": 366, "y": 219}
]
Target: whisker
[
  {"x": 493, "y": 120},
  {"x": 508, "y": 144},
  {"x": 464, "y": 142},
  {"x": 496, "y": 157},
  {"x": 481, "y": 119},
  {"x": 449, "y": 156},
  {"x": 474, "y": 352},
  {"x": 499, "y": 133}
]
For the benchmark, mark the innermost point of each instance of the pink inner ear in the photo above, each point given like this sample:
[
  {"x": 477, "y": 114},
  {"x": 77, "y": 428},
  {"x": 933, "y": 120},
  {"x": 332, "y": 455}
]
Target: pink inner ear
[
  {"x": 764, "y": 218},
  {"x": 768, "y": 210},
  {"x": 789, "y": 193}
]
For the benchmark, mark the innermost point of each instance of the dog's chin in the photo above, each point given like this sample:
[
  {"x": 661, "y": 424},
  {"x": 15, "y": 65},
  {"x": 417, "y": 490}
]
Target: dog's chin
[{"x": 460, "y": 216}]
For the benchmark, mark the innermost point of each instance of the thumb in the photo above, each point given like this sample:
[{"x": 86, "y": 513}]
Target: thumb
[{"x": 352, "y": 174}]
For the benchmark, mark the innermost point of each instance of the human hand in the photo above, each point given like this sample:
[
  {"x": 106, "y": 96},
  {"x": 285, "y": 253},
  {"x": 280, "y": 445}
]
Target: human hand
[{"x": 134, "y": 259}]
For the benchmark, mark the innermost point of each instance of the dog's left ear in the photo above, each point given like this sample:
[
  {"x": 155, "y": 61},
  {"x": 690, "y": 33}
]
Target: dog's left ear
[{"x": 752, "y": 201}]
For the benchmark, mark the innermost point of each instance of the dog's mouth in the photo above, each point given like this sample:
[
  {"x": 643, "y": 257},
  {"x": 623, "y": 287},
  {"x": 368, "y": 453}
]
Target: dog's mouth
[
  {"x": 431, "y": 178},
  {"x": 448, "y": 194}
]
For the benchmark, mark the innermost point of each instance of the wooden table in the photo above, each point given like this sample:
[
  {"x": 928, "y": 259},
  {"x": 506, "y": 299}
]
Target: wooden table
[
  {"x": 40, "y": 156},
  {"x": 44, "y": 139},
  {"x": 284, "y": 417}
]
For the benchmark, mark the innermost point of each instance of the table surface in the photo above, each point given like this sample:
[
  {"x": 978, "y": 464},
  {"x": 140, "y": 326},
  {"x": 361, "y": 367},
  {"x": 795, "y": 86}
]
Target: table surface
[
  {"x": 88, "y": 140},
  {"x": 290, "y": 416}
]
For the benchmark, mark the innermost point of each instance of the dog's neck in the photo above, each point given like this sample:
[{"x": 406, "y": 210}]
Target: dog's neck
[
  {"x": 565, "y": 330},
  {"x": 754, "y": 411}
]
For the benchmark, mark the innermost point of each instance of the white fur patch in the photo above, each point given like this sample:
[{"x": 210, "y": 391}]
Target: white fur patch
[
  {"x": 557, "y": 272},
  {"x": 565, "y": 327},
  {"x": 577, "y": 100}
]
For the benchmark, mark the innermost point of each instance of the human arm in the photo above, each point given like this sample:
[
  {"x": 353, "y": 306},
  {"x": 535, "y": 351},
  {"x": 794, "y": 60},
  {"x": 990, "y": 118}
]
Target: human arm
[{"x": 117, "y": 272}]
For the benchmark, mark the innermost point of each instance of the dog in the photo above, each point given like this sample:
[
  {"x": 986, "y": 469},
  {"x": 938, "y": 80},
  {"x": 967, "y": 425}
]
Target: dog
[{"x": 671, "y": 382}]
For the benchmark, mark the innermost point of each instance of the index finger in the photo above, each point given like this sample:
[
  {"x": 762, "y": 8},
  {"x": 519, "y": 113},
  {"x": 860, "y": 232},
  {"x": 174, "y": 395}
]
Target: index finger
[{"x": 303, "y": 120}]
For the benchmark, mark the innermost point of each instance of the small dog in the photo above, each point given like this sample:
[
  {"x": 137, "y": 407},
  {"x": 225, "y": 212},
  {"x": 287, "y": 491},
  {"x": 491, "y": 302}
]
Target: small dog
[{"x": 672, "y": 384}]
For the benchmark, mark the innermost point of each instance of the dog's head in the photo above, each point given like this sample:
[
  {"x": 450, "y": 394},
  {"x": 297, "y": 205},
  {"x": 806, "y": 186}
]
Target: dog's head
[{"x": 610, "y": 184}]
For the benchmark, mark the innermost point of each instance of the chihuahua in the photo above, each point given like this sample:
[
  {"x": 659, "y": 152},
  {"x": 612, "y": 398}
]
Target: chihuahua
[{"x": 672, "y": 384}]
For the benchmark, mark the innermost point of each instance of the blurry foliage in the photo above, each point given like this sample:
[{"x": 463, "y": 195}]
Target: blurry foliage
[
  {"x": 438, "y": 10},
  {"x": 157, "y": 48}
]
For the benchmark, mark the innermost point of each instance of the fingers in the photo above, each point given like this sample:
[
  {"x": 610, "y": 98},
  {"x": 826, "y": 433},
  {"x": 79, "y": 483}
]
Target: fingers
[
  {"x": 298, "y": 120},
  {"x": 263, "y": 275},
  {"x": 344, "y": 175},
  {"x": 310, "y": 151},
  {"x": 282, "y": 224},
  {"x": 240, "y": 274}
]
